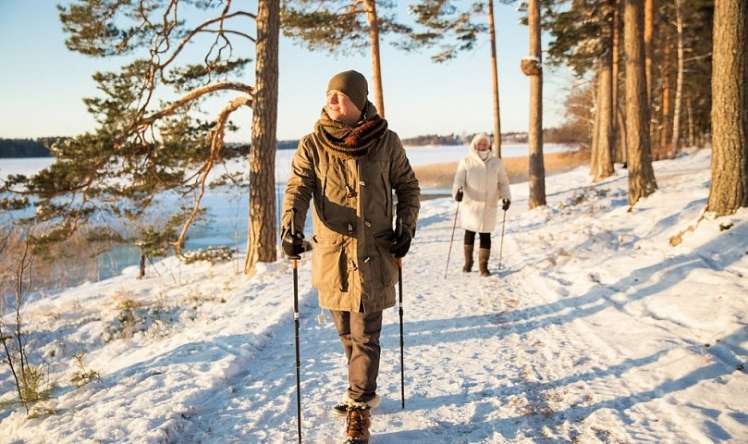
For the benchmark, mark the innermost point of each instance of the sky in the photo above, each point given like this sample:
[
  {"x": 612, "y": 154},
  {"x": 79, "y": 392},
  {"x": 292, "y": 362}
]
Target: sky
[{"x": 42, "y": 83}]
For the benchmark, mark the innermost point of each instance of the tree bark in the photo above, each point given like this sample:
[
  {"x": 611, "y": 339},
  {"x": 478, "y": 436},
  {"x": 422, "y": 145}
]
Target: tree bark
[
  {"x": 729, "y": 188},
  {"x": 595, "y": 123},
  {"x": 662, "y": 143},
  {"x": 618, "y": 148},
  {"x": 641, "y": 175},
  {"x": 376, "y": 68},
  {"x": 261, "y": 236},
  {"x": 675, "y": 141},
  {"x": 601, "y": 161},
  {"x": 622, "y": 151},
  {"x": 535, "y": 133},
  {"x": 649, "y": 35},
  {"x": 494, "y": 84},
  {"x": 691, "y": 128}
]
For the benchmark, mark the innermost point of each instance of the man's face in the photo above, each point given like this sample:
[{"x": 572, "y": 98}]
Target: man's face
[{"x": 340, "y": 107}]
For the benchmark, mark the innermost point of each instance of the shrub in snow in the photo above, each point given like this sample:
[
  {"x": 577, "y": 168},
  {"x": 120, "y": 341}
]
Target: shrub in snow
[
  {"x": 83, "y": 375},
  {"x": 133, "y": 317},
  {"x": 213, "y": 255},
  {"x": 33, "y": 386}
]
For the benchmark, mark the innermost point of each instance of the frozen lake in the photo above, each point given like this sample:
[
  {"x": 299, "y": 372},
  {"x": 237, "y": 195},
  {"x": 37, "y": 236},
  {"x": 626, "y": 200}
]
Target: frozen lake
[
  {"x": 422, "y": 155},
  {"x": 226, "y": 221}
]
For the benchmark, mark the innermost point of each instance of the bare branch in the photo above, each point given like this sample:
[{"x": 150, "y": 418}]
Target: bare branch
[
  {"x": 220, "y": 35},
  {"x": 194, "y": 94},
  {"x": 229, "y": 31},
  {"x": 200, "y": 27},
  {"x": 216, "y": 146}
]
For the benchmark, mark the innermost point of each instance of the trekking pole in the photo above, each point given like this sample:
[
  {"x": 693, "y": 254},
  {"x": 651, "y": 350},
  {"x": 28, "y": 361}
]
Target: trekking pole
[
  {"x": 400, "y": 307},
  {"x": 454, "y": 225},
  {"x": 501, "y": 244},
  {"x": 295, "y": 266}
]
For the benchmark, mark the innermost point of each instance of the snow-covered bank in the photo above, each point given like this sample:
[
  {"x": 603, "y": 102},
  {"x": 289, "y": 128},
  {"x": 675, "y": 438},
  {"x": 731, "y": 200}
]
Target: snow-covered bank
[{"x": 598, "y": 331}]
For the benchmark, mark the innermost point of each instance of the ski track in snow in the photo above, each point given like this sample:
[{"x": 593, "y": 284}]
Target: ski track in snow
[
  {"x": 581, "y": 338},
  {"x": 502, "y": 366}
]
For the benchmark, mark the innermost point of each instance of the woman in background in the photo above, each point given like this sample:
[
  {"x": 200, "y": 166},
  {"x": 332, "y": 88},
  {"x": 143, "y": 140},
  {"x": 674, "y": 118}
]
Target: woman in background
[{"x": 479, "y": 183}]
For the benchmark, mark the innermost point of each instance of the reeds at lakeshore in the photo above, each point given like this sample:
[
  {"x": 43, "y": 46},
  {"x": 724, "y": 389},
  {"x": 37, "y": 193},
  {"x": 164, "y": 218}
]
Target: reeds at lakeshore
[{"x": 440, "y": 175}]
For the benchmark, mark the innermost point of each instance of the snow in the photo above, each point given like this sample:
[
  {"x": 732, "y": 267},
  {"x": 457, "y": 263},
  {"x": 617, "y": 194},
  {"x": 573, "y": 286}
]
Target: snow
[{"x": 597, "y": 330}]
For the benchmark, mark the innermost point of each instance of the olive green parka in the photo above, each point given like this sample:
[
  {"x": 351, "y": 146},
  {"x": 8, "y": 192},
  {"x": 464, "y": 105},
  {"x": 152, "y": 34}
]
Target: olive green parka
[{"x": 352, "y": 211}]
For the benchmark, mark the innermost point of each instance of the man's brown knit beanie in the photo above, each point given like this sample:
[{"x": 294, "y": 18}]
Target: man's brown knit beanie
[{"x": 352, "y": 84}]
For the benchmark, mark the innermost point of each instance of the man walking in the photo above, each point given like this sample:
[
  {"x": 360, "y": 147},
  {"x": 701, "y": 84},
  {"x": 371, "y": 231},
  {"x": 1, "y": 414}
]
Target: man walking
[{"x": 349, "y": 166}]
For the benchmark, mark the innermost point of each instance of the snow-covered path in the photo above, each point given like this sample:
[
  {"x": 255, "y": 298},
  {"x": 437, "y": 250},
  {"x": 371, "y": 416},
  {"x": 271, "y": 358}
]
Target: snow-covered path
[
  {"x": 598, "y": 330},
  {"x": 514, "y": 358}
]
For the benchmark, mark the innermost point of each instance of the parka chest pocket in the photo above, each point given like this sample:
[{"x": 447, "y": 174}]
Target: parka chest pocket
[
  {"x": 378, "y": 190},
  {"x": 330, "y": 263}
]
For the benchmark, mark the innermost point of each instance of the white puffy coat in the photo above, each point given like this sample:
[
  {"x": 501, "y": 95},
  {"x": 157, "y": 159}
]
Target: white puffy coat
[{"x": 483, "y": 184}]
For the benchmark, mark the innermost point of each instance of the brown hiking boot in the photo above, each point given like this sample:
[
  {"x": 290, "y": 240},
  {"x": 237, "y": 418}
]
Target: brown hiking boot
[
  {"x": 468, "y": 267},
  {"x": 483, "y": 255},
  {"x": 357, "y": 424}
]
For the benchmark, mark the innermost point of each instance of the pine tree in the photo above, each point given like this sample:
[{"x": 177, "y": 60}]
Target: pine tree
[
  {"x": 679, "y": 72},
  {"x": 649, "y": 39},
  {"x": 261, "y": 236},
  {"x": 641, "y": 175},
  {"x": 532, "y": 67},
  {"x": 455, "y": 30},
  {"x": 445, "y": 27},
  {"x": 494, "y": 83},
  {"x": 675, "y": 140},
  {"x": 144, "y": 146},
  {"x": 583, "y": 38},
  {"x": 729, "y": 188},
  {"x": 343, "y": 26}
]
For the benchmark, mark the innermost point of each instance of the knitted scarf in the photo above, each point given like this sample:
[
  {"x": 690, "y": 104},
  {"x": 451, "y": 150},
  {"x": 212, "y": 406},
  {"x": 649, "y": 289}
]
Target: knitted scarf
[{"x": 348, "y": 141}]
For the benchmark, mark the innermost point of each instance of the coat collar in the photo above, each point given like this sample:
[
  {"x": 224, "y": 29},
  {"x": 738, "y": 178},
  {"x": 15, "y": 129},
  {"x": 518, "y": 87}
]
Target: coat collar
[{"x": 474, "y": 154}]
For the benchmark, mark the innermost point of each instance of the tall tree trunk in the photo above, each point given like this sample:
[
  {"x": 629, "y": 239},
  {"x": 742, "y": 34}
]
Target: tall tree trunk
[
  {"x": 376, "y": 68},
  {"x": 641, "y": 175},
  {"x": 261, "y": 236},
  {"x": 618, "y": 148},
  {"x": 622, "y": 135},
  {"x": 494, "y": 84},
  {"x": 535, "y": 133},
  {"x": 595, "y": 123},
  {"x": 691, "y": 129},
  {"x": 602, "y": 163},
  {"x": 666, "y": 107},
  {"x": 675, "y": 143},
  {"x": 729, "y": 189},
  {"x": 649, "y": 36}
]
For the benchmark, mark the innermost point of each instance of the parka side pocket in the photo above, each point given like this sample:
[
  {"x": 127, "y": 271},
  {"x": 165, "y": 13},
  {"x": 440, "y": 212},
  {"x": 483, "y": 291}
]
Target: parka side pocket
[
  {"x": 329, "y": 270},
  {"x": 387, "y": 266}
]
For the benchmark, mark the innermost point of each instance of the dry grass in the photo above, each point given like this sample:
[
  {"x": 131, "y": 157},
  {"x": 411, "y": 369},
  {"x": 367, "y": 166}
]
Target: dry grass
[
  {"x": 83, "y": 375},
  {"x": 440, "y": 175},
  {"x": 68, "y": 263}
]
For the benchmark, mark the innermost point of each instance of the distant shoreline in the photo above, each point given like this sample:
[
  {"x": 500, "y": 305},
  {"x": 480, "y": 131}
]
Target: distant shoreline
[{"x": 440, "y": 175}]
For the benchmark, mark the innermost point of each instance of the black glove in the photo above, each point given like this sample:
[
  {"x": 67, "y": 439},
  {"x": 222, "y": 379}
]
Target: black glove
[
  {"x": 505, "y": 204},
  {"x": 293, "y": 244},
  {"x": 401, "y": 241},
  {"x": 458, "y": 196}
]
